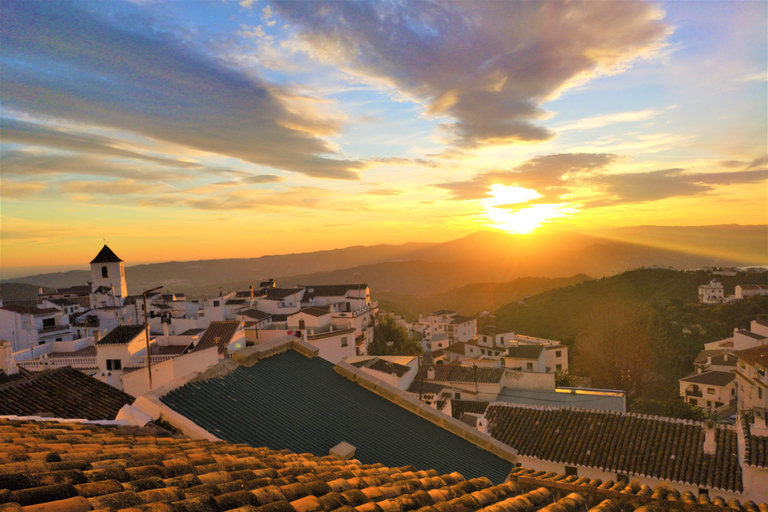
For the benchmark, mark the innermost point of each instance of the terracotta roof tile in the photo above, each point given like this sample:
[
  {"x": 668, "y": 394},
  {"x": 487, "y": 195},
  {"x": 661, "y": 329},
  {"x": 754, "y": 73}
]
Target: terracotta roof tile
[
  {"x": 121, "y": 334},
  {"x": 63, "y": 392},
  {"x": 625, "y": 443},
  {"x": 218, "y": 334},
  {"x": 450, "y": 373}
]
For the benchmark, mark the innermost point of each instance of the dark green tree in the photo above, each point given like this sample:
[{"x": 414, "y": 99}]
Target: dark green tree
[{"x": 390, "y": 339}]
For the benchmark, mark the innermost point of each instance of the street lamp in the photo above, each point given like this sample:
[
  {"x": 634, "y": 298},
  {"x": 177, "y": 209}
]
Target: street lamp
[{"x": 146, "y": 333}]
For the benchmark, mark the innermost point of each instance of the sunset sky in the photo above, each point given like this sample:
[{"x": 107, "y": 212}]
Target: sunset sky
[{"x": 184, "y": 130}]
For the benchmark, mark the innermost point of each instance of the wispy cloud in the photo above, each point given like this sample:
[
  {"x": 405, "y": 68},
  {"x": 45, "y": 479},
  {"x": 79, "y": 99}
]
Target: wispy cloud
[
  {"x": 546, "y": 174},
  {"x": 606, "y": 120},
  {"x": 487, "y": 65},
  {"x": 65, "y": 61},
  {"x": 384, "y": 192}
]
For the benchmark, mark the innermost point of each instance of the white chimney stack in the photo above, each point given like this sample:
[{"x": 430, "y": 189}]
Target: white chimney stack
[
  {"x": 430, "y": 373},
  {"x": 710, "y": 445}
]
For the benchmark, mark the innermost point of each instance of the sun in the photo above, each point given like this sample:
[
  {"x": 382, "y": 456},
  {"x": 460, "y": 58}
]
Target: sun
[{"x": 502, "y": 212}]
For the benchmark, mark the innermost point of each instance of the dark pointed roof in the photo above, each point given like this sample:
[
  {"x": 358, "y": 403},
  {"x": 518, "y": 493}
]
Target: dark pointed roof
[{"x": 106, "y": 256}]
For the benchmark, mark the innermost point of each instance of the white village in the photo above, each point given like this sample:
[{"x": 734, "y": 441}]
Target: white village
[{"x": 269, "y": 359}]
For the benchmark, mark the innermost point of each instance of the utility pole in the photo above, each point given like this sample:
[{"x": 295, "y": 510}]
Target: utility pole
[{"x": 146, "y": 333}]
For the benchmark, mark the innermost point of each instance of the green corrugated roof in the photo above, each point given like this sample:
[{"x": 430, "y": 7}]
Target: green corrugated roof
[{"x": 291, "y": 401}]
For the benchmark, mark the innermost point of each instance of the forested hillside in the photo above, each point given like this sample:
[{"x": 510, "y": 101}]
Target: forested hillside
[
  {"x": 646, "y": 317},
  {"x": 473, "y": 298}
]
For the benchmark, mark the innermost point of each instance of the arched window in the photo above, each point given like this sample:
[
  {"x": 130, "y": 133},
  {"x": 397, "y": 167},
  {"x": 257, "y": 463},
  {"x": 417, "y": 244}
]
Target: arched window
[{"x": 104, "y": 272}]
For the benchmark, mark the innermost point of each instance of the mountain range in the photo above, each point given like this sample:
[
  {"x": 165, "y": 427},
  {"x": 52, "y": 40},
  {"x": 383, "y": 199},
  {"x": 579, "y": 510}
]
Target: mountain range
[{"x": 428, "y": 269}]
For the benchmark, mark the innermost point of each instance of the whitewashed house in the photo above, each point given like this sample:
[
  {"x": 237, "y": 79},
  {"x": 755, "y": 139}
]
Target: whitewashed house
[
  {"x": 710, "y": 390},
  {"x": 29, "y": 326}
]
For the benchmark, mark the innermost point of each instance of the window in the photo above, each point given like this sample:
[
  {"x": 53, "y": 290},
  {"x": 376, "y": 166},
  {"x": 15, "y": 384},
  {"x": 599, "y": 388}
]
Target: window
[
  {"x": 558, "y": 367},
  {"x": 215, "y": 303},
  {"x": 558, "y": 353},
  {"x": 344, "y": 341},
  {"x": 710, "y": 391},
  {"x": 759, "y": 393},
  {"x": 104, "y": 272},
  {"x": 694, "y": 402},
  {"x": 457, "y": 396},
  {"x": 501, "y": 339},
  {"x": 114, "y": 364},
  {"x": 49, "y": 322},
  {"x": 529, "y": 366},
  {"x": 482, "y": 351},
  {"x": 571, "y": 471}
]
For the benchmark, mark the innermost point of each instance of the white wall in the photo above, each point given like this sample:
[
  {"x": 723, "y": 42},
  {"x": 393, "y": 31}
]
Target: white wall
[
  {"x": 331, "y": 349},
  {"x": 529, "y": 380},
  {"x": 550, "y": 354},
  {"x": 136, "y": 383}
]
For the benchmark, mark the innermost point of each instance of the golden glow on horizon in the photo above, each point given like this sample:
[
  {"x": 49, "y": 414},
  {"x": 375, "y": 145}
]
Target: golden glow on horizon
[{"x": 525, "y": 219}]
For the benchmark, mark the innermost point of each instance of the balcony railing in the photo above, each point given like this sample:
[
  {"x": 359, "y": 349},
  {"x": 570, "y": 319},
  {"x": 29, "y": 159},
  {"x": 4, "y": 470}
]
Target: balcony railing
[
  {"x": 141, "y": 361},
  {"x": 42, "y": 364},
  {"x": 54, "y": 328},
  {"x": 694, "y": 392},
  {"x": 39, "y": 365}
]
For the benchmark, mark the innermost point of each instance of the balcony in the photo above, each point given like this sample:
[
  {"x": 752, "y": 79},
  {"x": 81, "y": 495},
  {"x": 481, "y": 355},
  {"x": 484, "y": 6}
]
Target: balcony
[
  {"x": 53, "y": 328},
  {"x": 693, "y": 392},
  {"x": 42, "y": 364}
]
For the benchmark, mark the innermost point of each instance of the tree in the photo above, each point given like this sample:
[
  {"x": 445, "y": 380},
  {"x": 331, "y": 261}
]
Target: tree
[
  {"x": 624, "y": 346},
  {"x": 390, "y": 339},
  {"x": 564, "y": 379}
]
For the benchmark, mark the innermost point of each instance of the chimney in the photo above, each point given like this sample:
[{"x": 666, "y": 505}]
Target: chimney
[
  {"x": 482, "y": 424},
  {"x": 710, "y": 429},
  {"x": 96, "y": 336},
  {"x": 430, "y": 373},
  {"x": 760, "y": 426},
  {"x": 7, "y": 363},
  {"x": 251, "y": 296},
  {"x": 165, "y": 329}
]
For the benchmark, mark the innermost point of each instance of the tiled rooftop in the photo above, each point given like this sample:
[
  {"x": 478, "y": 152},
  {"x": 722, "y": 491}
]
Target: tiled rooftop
[
  {"x": 492, "y": 330},
  {"x": 755, "y": 355},
  {"x": 121, "y": 334},
  {"x": 331, "y": 290},
  {"x": 525, "y": 351},
  {"x": 48, "y": 466},
  {"x": 28, "y": 310},
  {"x": 218, "y": 334},
  {"x": 756, "y": 449},
  {"x": 384, "y": 366},
  {"x": 63, "y": 392},
  {"x": 292, "y": 401},
  {"x": 711, "y": 378},
  {"x": 450, "y": 373},
  {"x": 659, "y": 448},
  {"x": 316, "y": 310},
  {"x": 459, "y": 407},
  {"x": 281, "y": 293},
  {"x": 610, "y": 496}
]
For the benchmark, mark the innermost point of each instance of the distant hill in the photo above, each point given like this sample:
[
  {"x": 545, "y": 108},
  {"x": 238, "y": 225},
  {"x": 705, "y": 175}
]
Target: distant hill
[
  {"x": 433, "y": 268},
  {"x": 19, "y": 291},
  {"x": 473, "y": 298}
]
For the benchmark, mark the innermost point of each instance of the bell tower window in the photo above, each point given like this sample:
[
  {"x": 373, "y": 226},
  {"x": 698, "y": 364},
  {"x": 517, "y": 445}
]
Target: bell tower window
[{"x": 104, "y": 272}]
